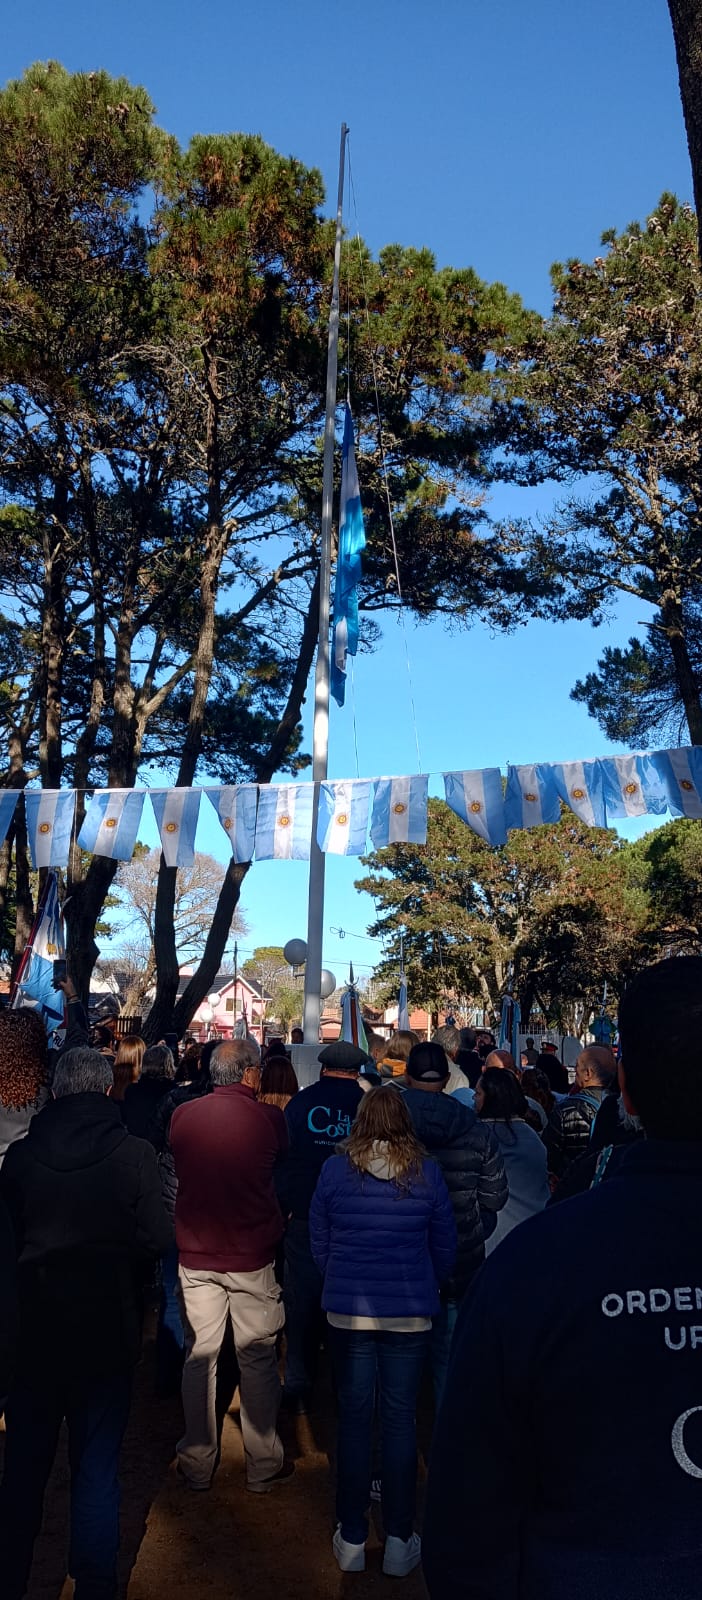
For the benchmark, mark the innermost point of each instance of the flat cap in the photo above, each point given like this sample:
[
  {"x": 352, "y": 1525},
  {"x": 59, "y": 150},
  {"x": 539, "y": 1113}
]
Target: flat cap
[{"x": 342, "y": 1057}]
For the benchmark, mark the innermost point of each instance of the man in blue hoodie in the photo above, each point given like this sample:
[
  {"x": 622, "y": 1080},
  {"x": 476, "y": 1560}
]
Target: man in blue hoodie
[
  {"x": 318, "y": 1119},
  {"x": 567, "y": 1457}
]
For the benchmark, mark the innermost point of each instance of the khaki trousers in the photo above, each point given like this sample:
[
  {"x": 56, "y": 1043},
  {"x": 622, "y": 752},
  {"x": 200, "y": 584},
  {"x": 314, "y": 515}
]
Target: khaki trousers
[{"x": 252, "y": 1300}]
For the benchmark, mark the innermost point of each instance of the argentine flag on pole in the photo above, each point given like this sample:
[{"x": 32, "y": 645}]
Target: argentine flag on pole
[
  {"x": 50, "y": 814},
  {"x": 580, "y": 786},
  {"x": 35, "y": 978},
  {"x": 352, "y": 1029},
  {"x": 531, "y": 797},
  {"x": 236, "y": 809},
  {"x": 403, "y": 1020},
  {"x": 284, "y": 822},
  {"x": 8, "y": 801},
  {"x": 400, "y": 811},
  {"x": 633, "y": 787},
  {"x": 681, "y": 776},
  {"x": 477, "y": 798},
  {"x": 176, "y": 813},
  {"x": 342, "y": 823},
  {"x": 352, "y": 540},
  {"x": 111, "y": 823}
]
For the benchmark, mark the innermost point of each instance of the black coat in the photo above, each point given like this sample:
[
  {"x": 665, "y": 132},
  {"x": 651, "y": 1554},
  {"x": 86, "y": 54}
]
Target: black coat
[
  {"x": 473, "y": 1170},
  {"x": 85, "y": 1202},
  {"x": 576, "y": 1362},
  {"x": 8, "y": 1302},
  {"x": 567, "y": 1135},
  {"x": 141, "y": 1101}
]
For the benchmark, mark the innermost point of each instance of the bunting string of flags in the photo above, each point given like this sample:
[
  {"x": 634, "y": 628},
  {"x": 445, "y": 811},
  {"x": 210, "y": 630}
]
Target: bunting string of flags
[{"x": 274, "y": 821}]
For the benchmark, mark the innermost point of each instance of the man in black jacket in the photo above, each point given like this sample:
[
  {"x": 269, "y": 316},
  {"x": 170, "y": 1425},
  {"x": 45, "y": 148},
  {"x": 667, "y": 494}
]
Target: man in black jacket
[
  {"x": 85, "y": 1202},
  {"x": 318, "y": 1118},
  {"x": 570, "y": 1125},
  {"x": 576, "y": 1361},
  {"x": 474, "y": 1174},
  {"x": 8, "y": 1303}
]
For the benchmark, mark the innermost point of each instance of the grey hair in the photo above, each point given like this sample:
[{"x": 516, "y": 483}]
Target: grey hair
[
  {"x": 230, "y": 1060},
  {"x": 81, "y": 1071},
  {"x": 449, "y": 1038},
  {"x": 158, "y": 1062}
]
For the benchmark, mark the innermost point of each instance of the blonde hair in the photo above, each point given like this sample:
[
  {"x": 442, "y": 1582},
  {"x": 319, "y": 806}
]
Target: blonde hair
[
  {"x": 127, "y": 1067},
  {"x": 383, "y": 1118}
]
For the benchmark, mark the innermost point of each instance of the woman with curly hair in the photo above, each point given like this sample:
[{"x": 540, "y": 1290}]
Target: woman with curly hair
[
  {"x": 24, "y": 1072},
  {"x": 383, "y": 1236}
]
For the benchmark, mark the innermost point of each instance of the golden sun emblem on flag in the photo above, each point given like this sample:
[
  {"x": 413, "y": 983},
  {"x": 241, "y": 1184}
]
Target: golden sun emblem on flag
[
  {"x": 45, "y": 827},
  {"x": 342, "y": 819},
  {"x": 577, "y": 794},
  {"x": 110, "y": 822},
  {"x": 284, "y": 821},
  {"x": 531, "y": 798},
  {"x": 227, "y": 823},
  {"x": 475, "y": 807},
  {"x": 171, "y": 827},
  {"x": 631, "y": 788},
  {"x": 52, "y": 949},
  {"x": 686, "y": 785},
  {"x": 399, "y": 808}
]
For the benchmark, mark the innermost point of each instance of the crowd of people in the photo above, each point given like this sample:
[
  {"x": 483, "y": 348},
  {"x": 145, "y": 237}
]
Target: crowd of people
[{"x": 405, "y": 1212}]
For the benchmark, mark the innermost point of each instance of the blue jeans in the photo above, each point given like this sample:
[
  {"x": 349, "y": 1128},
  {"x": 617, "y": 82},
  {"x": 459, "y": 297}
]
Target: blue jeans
[
  {"x": 304, "y": 1322},
  {"x": 393, "y": 1363},
  {"x": 170, "y": 1334},
  {"x": 442, "y": 1327},
  {"x": 96, "y": 1412}
]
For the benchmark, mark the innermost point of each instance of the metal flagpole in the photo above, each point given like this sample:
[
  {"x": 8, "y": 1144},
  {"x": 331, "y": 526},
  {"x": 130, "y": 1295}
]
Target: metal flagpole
[{"x": 320, "y": 737}]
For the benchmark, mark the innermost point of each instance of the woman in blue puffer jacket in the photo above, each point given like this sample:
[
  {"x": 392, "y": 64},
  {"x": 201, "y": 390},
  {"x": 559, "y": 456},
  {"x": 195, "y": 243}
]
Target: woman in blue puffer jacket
[{"x": 383, "y": 1235}]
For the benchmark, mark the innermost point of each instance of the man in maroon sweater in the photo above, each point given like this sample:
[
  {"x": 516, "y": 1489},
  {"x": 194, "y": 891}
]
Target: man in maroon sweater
[{"x": 228, "y": 1223}]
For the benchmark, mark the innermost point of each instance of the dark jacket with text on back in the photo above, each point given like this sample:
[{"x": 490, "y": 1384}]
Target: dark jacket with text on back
[
  {"x": 85, "y": 1202},
  {"x": 474, "y": 1173},
  {"x": 318, "y": 1119},
  {"x": 608, "y": 1508}
]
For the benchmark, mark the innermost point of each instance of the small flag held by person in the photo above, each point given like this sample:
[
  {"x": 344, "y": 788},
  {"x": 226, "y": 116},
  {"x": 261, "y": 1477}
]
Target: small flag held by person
[{"x": 352, "y": 540}]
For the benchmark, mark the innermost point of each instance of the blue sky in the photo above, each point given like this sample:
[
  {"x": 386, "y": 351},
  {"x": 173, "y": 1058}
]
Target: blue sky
[{"x": 501, "y": 136}]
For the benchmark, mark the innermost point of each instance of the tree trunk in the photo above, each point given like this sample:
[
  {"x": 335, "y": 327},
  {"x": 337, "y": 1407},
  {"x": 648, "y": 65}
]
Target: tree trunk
[
  {"x": 82, "y": 912},
  {"x": 23, "y": 887},
  {"x": 686, "y": 17},
  {"x": 674, "y": 628},
  {"x": 202, "y": 979}
]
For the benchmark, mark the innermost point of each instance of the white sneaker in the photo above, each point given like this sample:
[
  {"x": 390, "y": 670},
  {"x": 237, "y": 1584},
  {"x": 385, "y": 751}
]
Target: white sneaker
[
  {"x": 401, "y": 1555},
  {"x": 350, "y": 1557}
]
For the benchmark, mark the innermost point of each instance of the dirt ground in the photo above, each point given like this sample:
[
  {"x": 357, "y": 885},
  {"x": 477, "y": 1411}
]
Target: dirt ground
[{"x": 227, "y": 1544}]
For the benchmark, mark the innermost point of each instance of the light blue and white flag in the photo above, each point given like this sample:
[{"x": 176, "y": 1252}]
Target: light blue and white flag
[
  {"x": 8, "y": 801},
  {"x": 400, "y": 811},
  {"x": 176, "y": 812},
  {"x": 510, "y": 1018},
  {"x": 236, "y": 809},
  {"x": 477, "y": 798},
  {"x": 35, "y": 978},
  {"x": 633, "y": 787},
  {"x": 342, "y": 821},
  {"x": 580, "y": 786},
  {"x": 111, "y": 823},
  {"x": 50, "y": 814},
  {"x": 531, "y": 797},
  {"x": 681, "y": 776},
  {"x": 403, "y": 1017},
  {"x": 352, "y": 1026},
  {"x": 352, "y": 540},
  {"x": 284, "y": 822}
]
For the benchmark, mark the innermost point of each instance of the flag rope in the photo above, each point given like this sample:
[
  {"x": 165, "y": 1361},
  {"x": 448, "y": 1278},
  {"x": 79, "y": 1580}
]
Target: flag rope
[{"x": 384, "y": 467}]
